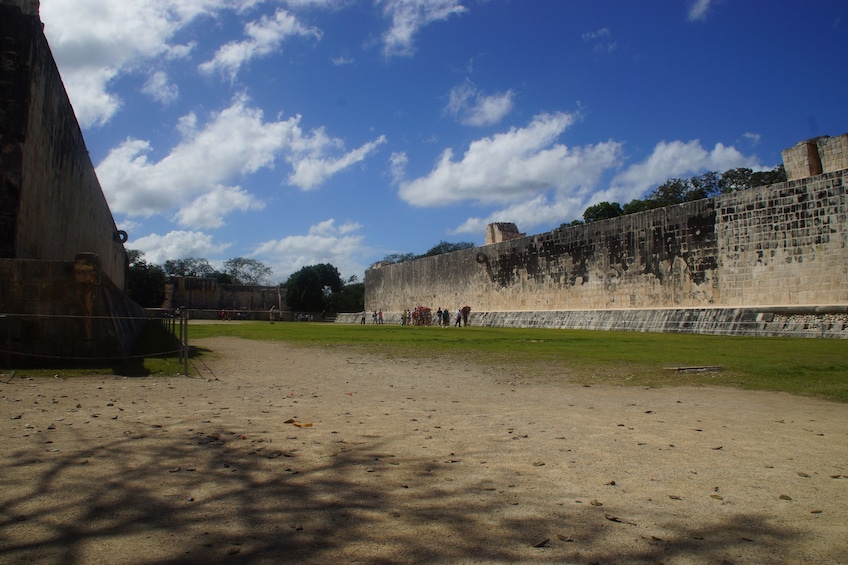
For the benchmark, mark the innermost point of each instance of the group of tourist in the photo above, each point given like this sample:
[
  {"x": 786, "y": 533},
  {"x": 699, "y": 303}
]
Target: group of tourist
[
  {"x": 376, "y": 317},
  {"x": 424, "y": 316}
]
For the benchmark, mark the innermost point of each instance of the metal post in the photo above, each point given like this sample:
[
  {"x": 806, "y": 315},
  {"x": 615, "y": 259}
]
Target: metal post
[{"x": 185, "y": 341}]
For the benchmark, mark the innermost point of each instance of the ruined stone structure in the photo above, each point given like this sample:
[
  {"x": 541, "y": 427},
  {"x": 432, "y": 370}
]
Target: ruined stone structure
[
  {"x": 502, "y": 231},
  {"x": 740, "y": 260},
  {"x": 62, "y": 259},
  {"x": 207, "y": 297},
  {"x": 816, "y": 156}
]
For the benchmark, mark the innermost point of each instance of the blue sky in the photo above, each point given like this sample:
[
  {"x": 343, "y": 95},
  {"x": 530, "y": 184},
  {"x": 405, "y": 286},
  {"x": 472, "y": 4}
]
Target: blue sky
[{"x": 299, "y": 132}]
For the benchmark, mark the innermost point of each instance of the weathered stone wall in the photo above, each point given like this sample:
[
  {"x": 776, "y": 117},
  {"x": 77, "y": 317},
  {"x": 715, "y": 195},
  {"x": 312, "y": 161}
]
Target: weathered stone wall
[
  {"x": 55, "y": 311},
  {"x": 198, "y": 293},
  {"x": 780, "y": 245},
  {"x": 816, "y": 156},
  {"x": 51, "y": 203}
]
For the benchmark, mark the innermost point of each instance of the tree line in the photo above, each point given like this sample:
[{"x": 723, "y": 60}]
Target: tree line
[
  {"x": 678, "y": 190},
  {"x": 316, "y": 288}
]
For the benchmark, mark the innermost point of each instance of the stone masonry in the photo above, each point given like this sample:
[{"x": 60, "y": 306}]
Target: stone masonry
[{"x": 771, "y": 247}]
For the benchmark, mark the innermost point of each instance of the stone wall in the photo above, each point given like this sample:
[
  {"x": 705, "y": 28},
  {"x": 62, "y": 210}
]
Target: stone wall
[
  {"x": 51, "y": 203},
  {"x": 779, "y": 245},
  {"x": 198, "y": 293},
  {"x": 816, "y": 156},
  {"x": 59, "y": 311}
]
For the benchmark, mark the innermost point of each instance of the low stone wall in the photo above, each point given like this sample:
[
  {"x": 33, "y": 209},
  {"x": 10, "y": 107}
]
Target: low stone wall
[{"x": 812, "y": 322}]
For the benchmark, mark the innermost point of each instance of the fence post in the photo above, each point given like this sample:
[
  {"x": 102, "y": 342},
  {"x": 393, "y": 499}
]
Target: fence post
[{"x": 185, "y": 341}]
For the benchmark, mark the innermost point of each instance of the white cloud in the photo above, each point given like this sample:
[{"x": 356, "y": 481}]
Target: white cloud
[
  {"x": 514, "y": 165},
  {"x": 397, "y": 166},
  {"x": 471, "y": 107},
  {"x": 409, "y": 16},
  {"x": 208, "y": 210},
  {"x": 668, "y": 160},
  {"x": 601, "y": 39},
  {"x": 176, "y": 245},
  {"x": 527, "y": 214},
  {"x": 674, "y": 159},
  {"x": 340, "y": 246},
  {"x": 265, "y": 37},
  {"x": 698, "y": 10},
  {"x": 96, "y": 41},
  {"x": 160, "y": 88},
  {"x": 753, "y": 138},
  {"x": 311, "y": 171},
  {"x": 236, "y": 141}
]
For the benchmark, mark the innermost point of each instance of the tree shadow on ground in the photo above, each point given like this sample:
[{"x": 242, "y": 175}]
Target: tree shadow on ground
[{"x": 214, "y": 496}]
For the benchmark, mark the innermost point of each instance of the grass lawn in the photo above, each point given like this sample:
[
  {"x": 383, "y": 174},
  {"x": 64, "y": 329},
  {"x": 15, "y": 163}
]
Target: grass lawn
[{"x": 814, "y": 367}]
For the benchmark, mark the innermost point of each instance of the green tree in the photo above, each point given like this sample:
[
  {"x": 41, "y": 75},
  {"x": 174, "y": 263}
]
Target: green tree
[
  {"x": 703, "y": 186},
  {"x": 672, "y": 191},
  {"x": 774, "y": 176},
  {"x": 602, "y": 211},
  {"x": 445, "y": 247},
  {"x": 247, "y": 271},
  {"x": 637, "y": 205},
  {"x": 733, "y": 180},
  {"x": 397, "y": 258},
  {"x": 350, "y": 299},
  {"x": 310, "y": 288},
  {"x": 574, "y": 222},
  {"x": 145, "y": 282},
  {"x": 189, "y": 267}
]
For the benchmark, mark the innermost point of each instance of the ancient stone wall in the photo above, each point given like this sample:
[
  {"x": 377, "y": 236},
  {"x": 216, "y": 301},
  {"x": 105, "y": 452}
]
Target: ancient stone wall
[
  {"x": 51, "y": 203},
  {"x": 55, "y": 311},
  {"x": 780, "y": 245},
  {"x": 816, "y": 156},
  {"x": 198, "y": 293}
]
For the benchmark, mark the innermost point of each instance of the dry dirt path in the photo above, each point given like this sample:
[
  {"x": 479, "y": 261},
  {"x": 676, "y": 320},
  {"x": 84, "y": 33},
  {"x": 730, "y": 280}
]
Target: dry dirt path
[{"x": 289, "y": 455}]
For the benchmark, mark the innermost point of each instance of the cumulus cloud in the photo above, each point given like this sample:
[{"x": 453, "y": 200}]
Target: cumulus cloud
[
  {"x": 176, "y": 245},
  {"x": 96, "y": 41},
  {"x": 408, "y": 17},
  {"x": 264, "y": 37},
  {"x": 235, "y": 142},
  {"x": 675, "y": 159},
  {"x": 513, "y": 165},
  {"x": 532, "y": 180},
  {"x": 340, "y": 245},
  {"x": 208, "y": 210},
  {"x": 471, "y": 107},
  {"x": 310, "y": 171},
  {"x": 535, "y": 211}
]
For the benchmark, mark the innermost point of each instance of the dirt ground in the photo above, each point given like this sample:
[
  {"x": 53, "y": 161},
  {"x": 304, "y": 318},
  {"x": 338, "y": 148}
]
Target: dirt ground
[{"x": 278, "y": 454}]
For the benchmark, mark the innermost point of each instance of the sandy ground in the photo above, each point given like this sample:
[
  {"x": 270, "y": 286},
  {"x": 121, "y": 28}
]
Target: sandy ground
[{"x": 285, "y": 455}]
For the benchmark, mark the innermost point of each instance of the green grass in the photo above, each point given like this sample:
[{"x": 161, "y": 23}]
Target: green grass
[{"x": 812, "y": 367}]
